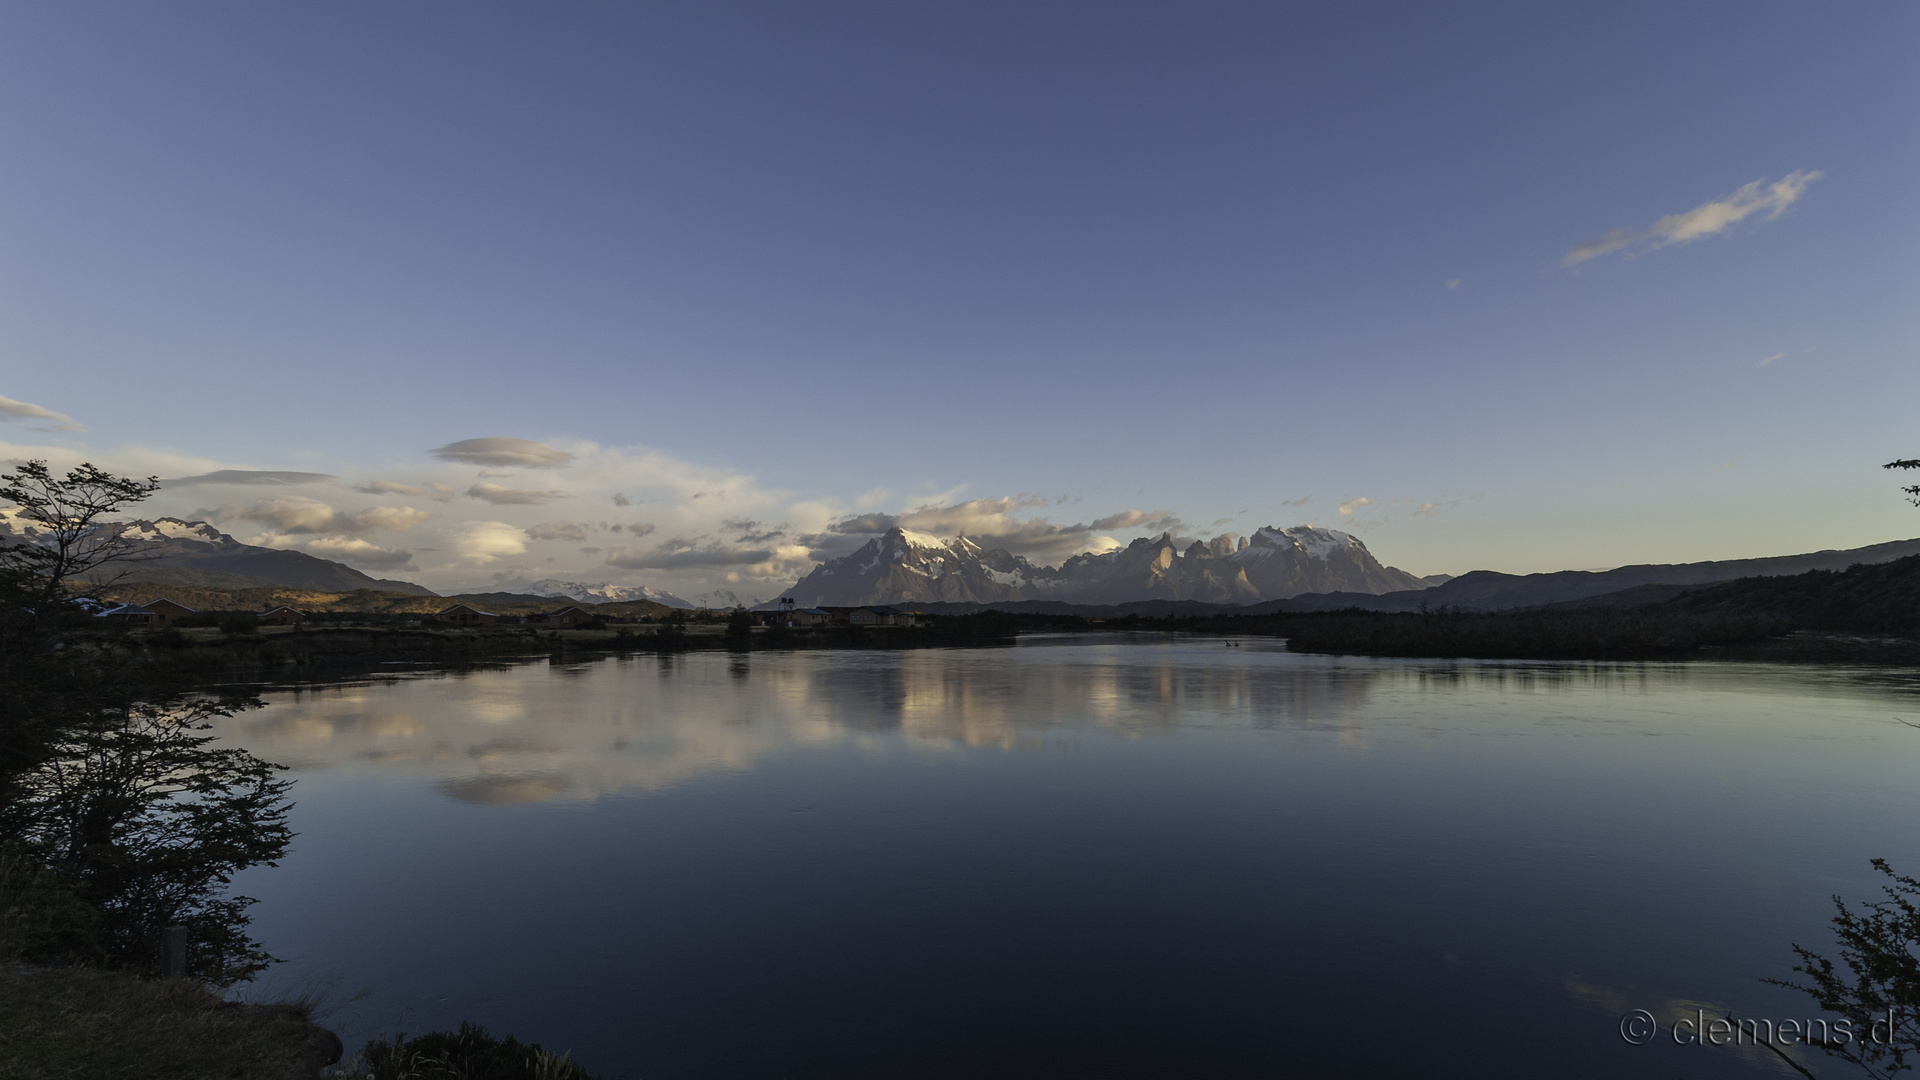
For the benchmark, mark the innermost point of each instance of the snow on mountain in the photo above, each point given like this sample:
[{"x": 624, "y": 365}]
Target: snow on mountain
[
  {"x": 165, "y": 547},
  {"x": 901, "y": 566},
  {"x": 604, "y": 593},
  {"x": 174, "y": 529}
]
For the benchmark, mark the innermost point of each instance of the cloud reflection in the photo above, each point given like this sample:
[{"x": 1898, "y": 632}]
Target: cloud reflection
[{"x": 540, "y": 733}]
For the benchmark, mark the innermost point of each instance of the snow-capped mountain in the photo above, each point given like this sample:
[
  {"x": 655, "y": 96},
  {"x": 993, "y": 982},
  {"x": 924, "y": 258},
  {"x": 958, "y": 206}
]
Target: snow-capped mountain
[
  {"x": 901, "y": 566},
  {"x": 604, "y": 593},
  {"x": 187, "y": 552}
]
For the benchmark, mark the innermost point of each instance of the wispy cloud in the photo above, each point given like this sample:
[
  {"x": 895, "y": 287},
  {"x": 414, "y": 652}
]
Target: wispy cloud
[
  {"x": 303, "y": 516},
  {"x": 506, "y": 496},
  {"x": 556, "y": 530},
  {"x": 1347, "y": 508},
  {"x": 684, "y": 555},
  {"x": 992, "y": 523},
  {"x": 436, "y": 491},
  {"x": 24, "y": 412},
  {"x": 252, "y": 477},
  {"x": 361, "y": 552},
  {"x": 1767, "y": 360},
  {"x": 1707, "y": 219}
]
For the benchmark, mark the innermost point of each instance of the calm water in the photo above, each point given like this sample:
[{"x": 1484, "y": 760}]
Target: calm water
[{"x": 1082, "y": 857}]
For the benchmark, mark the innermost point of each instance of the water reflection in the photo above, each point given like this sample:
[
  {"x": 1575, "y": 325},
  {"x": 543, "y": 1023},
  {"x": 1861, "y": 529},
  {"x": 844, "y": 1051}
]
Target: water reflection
[
  {"x": 578, "y": 731},
  {"x": 1094, "y": 856},
  {"x": 521, "y": 734}
]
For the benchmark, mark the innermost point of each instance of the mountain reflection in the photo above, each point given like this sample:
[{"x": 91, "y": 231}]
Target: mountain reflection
[{"x": 540, "y": 732}]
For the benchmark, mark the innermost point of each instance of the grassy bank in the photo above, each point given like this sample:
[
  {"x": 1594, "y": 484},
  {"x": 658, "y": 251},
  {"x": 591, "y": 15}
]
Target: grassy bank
[{"x": 84, "y": 1023}]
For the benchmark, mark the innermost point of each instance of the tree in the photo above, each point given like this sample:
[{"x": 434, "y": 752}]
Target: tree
[
  {"x": 1878, "y": 945},
  {"x": 59, "y": 519},
  {"x": 739, "y": 628},
  {"x": 119, "y": 816},
  {"x": 1912, "y": 493},
  {"x": 148, "y": 823}
]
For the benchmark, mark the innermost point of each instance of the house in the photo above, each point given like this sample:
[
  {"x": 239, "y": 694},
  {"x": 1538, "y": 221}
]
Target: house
[
  {"x": 131, "y": 614},
  {"x": 282, "y": 616},
  {"x": 879, "y": 615},
  {"x": 465, "y": 615},
  {"x": 785, "y": 612},
  {"x": 567, "y": 616},
  {"x": 160, "y": 612}
]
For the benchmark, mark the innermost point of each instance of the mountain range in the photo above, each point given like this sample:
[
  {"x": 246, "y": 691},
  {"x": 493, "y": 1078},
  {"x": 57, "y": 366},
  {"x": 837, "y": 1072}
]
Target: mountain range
[
  {"x": 1489, "y": 590},
  {"x": 902, "y": 566},
  {"x": 174, "y": 552},
  {"x": 1297, "y": 569},
  {"x": 605, "y": 593}
]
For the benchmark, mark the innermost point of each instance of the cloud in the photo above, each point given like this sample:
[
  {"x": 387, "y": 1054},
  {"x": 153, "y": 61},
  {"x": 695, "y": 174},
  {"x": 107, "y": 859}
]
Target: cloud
[
  {"x": 498, "y": 450},
  {"x": 556, "y": 530},
  {"x": 753, "y": 532},
  {"x": 1707, "y": 219},
  {"x": 22, "y": 412},
  {"x": 1765, "y": 360},
  {"x": 361, "y": 552},
  {"x": 991, "y": 523},
  {"x": 637, "y": 528},
  {"x": 298, "y": 515},
  {"x": 436, "y": 491},
  {"x": 1347, "y": 508},
  {"x": 506, "y": 496},
  {"x": 259, "y": 477},
  {"x": 1157, "y": 520},
  {"x": 1456, "y": 284},
  {"x": 485, "y": 541},
  {"x": 1301, "y": 501},
  {"x": 685, "y": 555},
  {"x": 620, "y": 499}
]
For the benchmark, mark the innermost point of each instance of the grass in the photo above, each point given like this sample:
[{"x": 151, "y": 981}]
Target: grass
[
  {"x": 99, "y": 1025},
  {"x": 468, "y": 1054}
]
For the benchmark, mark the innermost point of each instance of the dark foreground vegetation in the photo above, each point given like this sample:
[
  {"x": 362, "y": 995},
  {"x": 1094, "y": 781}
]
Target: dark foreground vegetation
[
  {"x": 1865, "y": 612},
  {"x": 123, "y": 823}
]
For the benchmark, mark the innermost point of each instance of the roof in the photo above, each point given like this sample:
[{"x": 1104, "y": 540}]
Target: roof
[
  {"x": 465, "y": 607},
  {"x": 281, "y": 608}
]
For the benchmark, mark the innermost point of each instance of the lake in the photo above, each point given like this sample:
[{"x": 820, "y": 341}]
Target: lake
[{"x": 1083, "y": 856}]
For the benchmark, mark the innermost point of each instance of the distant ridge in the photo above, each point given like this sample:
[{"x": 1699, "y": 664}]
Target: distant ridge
[
  {"x": 1488, "y": 590},
  {"x": 176, "y": 552}
]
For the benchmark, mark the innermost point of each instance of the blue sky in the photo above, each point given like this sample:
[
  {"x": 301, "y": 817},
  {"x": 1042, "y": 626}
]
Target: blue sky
[{"x": 1030, "y": 266}]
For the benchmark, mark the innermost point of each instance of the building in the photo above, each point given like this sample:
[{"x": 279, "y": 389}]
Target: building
[
  {"x": 282, "y": 616},
  {"x": 785, "y": 612},
  {"x": 465, "y": 615},
  {"x": 160, "y": 612},
  {"x": 879, "y": 615},
  {"x": 567, "y": 616}
]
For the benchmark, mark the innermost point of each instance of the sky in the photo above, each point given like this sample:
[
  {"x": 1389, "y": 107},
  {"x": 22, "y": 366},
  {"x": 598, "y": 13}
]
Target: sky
[{"x": 690, "y": 294}]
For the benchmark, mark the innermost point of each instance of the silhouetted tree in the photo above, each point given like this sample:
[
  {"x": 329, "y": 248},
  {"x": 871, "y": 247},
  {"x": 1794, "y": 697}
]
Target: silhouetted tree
[
  {"x": 1912, "y": 493},
  {"x": 59, "y": 519},
  {"x": 149, "y": 821},
  {"x": 739, "y": 628},
  {"x": 119, "y": 816},
  {"x": 1880, "y": 946}
]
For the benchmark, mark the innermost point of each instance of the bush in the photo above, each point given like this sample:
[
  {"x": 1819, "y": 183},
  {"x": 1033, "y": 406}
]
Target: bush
[{"x": 468, "y": 1054}]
